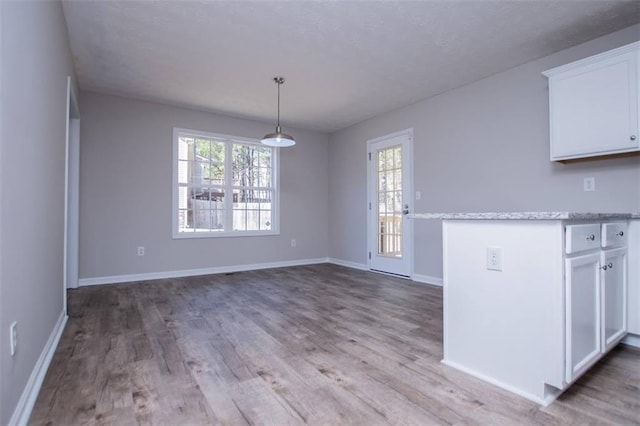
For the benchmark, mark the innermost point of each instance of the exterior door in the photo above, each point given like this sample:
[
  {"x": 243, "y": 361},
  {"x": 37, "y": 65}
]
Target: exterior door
[{"x": 390, "y": 187}]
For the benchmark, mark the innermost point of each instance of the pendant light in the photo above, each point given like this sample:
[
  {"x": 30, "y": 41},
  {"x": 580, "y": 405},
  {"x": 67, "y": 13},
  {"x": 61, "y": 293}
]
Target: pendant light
[{"x": 278, "y": 139}]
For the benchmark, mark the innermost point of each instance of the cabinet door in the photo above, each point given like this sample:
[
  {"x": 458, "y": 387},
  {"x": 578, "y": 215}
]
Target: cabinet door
[
  {"x": 614, "y": 295},
  {"x": 583, "y": 324},
  {"x": 594, "y": 108},
  {"x": 633, "y": 278}
]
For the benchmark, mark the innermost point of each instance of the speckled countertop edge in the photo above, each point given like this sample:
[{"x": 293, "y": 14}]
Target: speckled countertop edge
[{"x": 525, "y": 216}]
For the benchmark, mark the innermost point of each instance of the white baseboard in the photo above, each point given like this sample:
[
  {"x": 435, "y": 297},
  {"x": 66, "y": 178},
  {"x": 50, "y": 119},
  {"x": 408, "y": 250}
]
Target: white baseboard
[
  {"x": 30, "y": 393},
  {"x": 348, "y": 264},
  {"x": 427, "y": 279},
  {"x": 531, "y": 397},
  {"x": 632, "y": 340},
  {"x": 424, "y": 279},
  {"x": 114, "y": 279}
]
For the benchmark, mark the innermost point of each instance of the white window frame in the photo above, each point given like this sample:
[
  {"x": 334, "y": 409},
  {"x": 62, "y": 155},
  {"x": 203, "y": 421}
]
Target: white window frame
[{"x": 228, "y": 139}]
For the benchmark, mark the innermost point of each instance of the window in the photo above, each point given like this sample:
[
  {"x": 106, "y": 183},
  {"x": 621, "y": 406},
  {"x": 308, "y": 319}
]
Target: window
[{"x": 223, "y": 186}]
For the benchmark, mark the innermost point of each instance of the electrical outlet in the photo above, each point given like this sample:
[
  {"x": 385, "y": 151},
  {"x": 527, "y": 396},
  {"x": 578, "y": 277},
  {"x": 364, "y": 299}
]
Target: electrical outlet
[
  {"x": 13, "y": 336},
  {"x": 418, "y": 195},
  {"x": 589, "y": 184},
  {"x": 293, "y": 242},
  {"x": 494, "y": 258},
  {"x": 141, "y": 251}
]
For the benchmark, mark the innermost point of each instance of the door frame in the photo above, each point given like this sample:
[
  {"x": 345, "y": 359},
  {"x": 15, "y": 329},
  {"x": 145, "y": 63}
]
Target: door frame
[
  {"x": 407, "y": 230},
  {"x": 71, "y": 193}
]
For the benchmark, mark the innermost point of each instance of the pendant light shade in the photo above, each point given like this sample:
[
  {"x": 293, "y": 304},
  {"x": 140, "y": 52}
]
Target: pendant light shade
[{"x": 278, "y": 139}]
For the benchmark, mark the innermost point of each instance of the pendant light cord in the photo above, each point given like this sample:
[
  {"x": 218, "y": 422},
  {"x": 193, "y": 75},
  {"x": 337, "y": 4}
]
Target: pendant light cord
[{"x": 279, "y": 81}]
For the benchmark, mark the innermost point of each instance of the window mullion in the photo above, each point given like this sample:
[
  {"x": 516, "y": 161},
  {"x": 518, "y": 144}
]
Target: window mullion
[{"x": 228, "y": 185}]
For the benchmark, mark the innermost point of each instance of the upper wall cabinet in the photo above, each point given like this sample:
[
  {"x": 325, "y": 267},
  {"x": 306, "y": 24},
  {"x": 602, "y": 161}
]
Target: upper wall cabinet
[{"x": 593, "y": 105}]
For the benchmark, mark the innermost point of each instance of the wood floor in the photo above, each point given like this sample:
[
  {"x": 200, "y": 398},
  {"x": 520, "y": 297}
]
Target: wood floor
[{"x": 320, "y": 344}]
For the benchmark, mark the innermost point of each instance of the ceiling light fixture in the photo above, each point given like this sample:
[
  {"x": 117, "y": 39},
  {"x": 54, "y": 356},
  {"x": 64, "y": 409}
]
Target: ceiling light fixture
[{"x": 278, "y": 138}]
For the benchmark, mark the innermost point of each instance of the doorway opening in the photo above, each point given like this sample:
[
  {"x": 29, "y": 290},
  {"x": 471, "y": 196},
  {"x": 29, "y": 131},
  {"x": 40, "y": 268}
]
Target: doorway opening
[
  {"x": 390, "y": 175},
  {"x": 71, "y": 194}
]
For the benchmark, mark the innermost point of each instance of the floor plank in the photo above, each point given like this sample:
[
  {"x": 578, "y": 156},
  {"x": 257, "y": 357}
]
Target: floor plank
[{"x": 321, "y": 345}]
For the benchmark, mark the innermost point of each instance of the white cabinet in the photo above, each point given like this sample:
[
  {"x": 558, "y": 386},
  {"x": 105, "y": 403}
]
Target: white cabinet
[
  {"x": 614, "y": 296},
  {"x": 583, "y": 323},
  {"x": 633, "y": 281},
  {"x": 582, "y": 238},
  {"x": 593, "y": 105},
  {"x": 614, "y": 234},
  {"x": 595, "y": 292},
  {"x": 556, "y": 307}
]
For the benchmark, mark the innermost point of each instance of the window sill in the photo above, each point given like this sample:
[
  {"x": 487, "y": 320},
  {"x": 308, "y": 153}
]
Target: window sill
[{"x": 232, "y": 234}]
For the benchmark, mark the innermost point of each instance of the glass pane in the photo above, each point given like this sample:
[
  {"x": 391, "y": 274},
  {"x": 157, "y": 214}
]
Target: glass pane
[
  {"x": 217, "y": 152},
  {"x": 253, "y": 219},
  {"x": 202, "y": 219},
  {"x": 251, "y": 165},
  {"x": 201, "y": 211},
  {"x": 202, "y": 169},
  {"x": 213, "y": 173},
  {"x": 203, "y": 149},
  {"x": 183, "y": 196},
  {"x": 397, "y": 157},
  {"x": 265, "y": 220},
  {"x": 389, "y": 174},
  {"x": 390, "y": 180},
  {"x": 390, "y": 202},
  {"x": 239, "y": 220},
  {"x": 183, "y": 171},
  {"x": 388, "y": 159},
  {"x": 390, "y": 236},
  {"x": 184, "y": 145},
  {"x": 397, "y": 206},
  {"x": 183, "y": 220},
  {"x": 217, "y": 209},
  {"x": 197, "y": 172},
  {"x": 252, "y": 210}
]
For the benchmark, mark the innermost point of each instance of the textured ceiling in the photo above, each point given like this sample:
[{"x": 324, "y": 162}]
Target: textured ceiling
[{"x": 344, "y": 61}]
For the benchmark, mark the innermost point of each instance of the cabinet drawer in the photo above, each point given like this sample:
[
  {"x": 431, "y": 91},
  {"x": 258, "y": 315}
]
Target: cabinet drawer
[
  {"x": 614, "y": 234},
  {"x": 582, "y": 238}
]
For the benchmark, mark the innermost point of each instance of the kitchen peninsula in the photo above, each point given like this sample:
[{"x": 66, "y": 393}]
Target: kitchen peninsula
[{"x": 533, "y": 299}]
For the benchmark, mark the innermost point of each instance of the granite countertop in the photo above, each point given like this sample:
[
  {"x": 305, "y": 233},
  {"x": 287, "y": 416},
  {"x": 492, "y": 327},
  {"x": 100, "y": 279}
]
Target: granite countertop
[{"x": 525, "y": 216}]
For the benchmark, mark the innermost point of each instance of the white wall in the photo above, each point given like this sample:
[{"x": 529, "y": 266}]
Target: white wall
[
  {"x": 481, "y": 147},
  {"x": 35, "y": 64},
  {"x": 125, "y": 192}
]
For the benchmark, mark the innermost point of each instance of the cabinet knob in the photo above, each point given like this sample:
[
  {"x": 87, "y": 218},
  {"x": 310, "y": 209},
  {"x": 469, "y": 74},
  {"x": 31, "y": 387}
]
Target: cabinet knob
[
  {"x": 633, "y": 137},
  {"x": 620, "y": 234},
  {"x": 591, "y": 237},
  {"x": 607, "y": 266}
]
